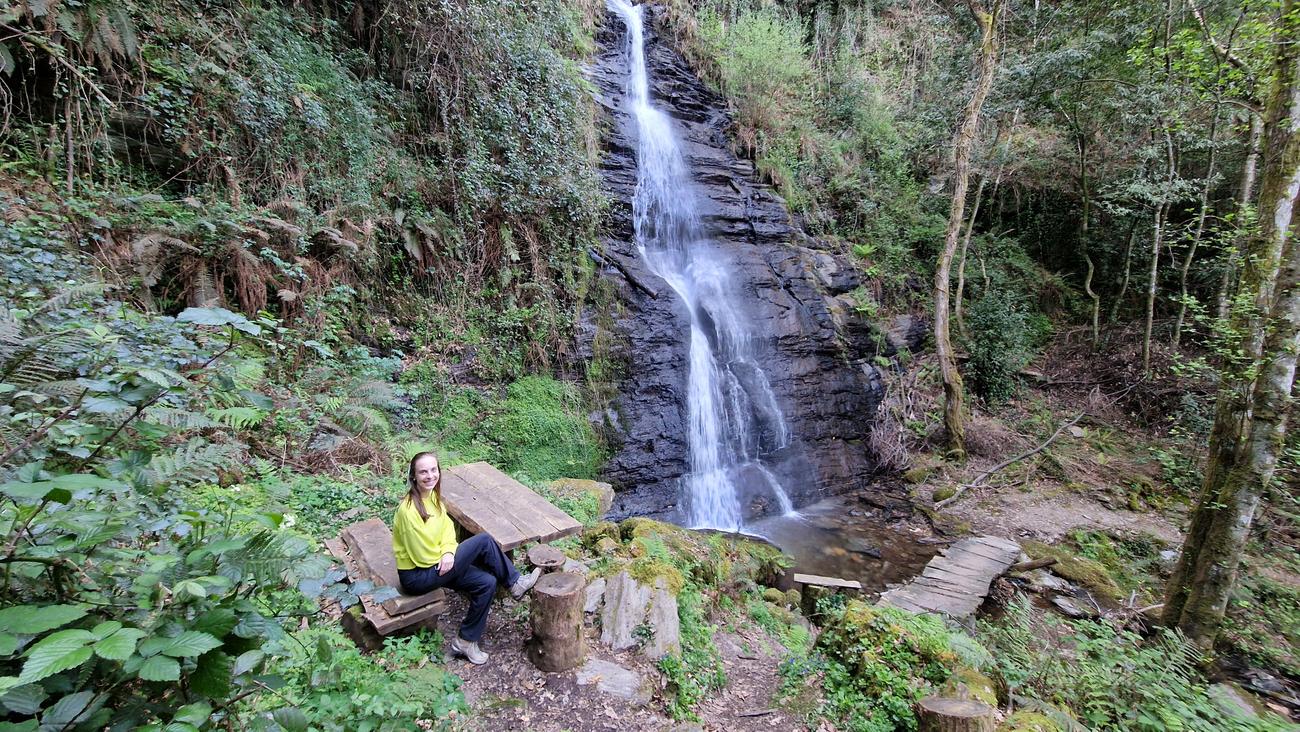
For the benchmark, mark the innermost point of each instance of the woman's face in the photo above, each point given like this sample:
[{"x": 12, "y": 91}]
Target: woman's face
[{"x": 426, "y": 472}]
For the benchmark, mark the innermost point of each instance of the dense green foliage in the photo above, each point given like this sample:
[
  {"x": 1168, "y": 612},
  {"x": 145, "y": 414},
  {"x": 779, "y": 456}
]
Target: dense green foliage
[{"x": 1113, "y": 680}]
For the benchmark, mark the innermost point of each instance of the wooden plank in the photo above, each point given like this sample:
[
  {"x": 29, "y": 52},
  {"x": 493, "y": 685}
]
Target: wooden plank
[
  {"x": 976, "y": 584},
  {"x": 534, "y": 515},
  {"x": 818, "y": 580},
  {"x": 478, "y": 512},
  {"x": 998, "y": 542},
  {"x": 956, "y": 582},
  {"x": 336, "y": 548},
  {"x": 371, "y": 545},
  {"x": 483, "y": 499},
  {"x": 983, "y": 550},
  {"x": 967, "y": 569}
]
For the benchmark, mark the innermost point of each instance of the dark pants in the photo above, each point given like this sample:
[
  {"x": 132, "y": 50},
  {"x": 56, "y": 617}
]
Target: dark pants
[{"x": 479, "y": 567}]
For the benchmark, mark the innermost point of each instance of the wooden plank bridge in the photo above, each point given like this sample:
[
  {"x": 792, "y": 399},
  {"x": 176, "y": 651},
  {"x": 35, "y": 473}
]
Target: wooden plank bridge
[{"x": 956, "y": 581}]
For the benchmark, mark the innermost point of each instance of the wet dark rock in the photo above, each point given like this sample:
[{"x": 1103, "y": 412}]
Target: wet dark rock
[{"x": 817, "y": 351}]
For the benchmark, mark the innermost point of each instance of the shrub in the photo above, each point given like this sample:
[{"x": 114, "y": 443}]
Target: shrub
[{"x": 999, "y": 345}]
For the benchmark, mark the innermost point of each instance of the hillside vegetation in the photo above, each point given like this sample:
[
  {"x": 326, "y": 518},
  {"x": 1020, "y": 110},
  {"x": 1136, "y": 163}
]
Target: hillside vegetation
[{"x": 254, "y": 254}]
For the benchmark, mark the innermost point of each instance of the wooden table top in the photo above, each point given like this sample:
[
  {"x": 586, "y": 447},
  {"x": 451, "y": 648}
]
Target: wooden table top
[{"x": 483, "y": 499}]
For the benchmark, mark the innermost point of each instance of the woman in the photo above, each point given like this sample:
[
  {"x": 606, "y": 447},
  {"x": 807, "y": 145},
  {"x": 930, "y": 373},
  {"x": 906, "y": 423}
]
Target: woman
[{"x": 428, "y": 557}]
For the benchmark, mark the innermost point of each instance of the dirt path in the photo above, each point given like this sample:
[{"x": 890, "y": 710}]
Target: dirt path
[{"x": 509, "y": 693}]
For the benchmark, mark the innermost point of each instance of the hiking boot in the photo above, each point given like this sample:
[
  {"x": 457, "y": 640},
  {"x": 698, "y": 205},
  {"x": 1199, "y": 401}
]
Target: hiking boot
[
  {"x": 470, "y": 650},
  {"x": 525, "y": 583}
]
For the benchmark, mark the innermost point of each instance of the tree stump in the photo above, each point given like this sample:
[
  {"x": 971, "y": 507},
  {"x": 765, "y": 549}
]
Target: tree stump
[
  {"x": 944, "y": 714},
  {"x": 547, "y": 558},
  {"x": 558, "y": 643}
]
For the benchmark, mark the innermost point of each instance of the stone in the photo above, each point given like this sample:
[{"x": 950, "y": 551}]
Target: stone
[
  {"x": 640, "y": 615},
  {"x": 1168, "y": 558},
  {"x": 607, "y": 547},
  {"x": 1025, "y": 720},
  {"x": 612, "y": 679},
  {"x": 595, "y": 593},
  {"x": 602, "y": 493},
  {"x": 967, "y": 683},
  {"x": 1069, "y": 608},
  {"x": 1041, "y": 581},
  {"x": 1234, "y": 701}
]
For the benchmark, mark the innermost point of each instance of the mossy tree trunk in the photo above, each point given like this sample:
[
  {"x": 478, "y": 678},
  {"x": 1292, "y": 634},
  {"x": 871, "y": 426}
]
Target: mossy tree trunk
[
  {"x": 954, "y": 393},
  {"x": 1251, "y": 417}
]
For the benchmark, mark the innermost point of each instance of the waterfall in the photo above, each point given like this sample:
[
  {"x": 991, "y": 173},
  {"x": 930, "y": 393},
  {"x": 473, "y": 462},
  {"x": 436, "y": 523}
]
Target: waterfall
[{"x": 734, "y": 420}]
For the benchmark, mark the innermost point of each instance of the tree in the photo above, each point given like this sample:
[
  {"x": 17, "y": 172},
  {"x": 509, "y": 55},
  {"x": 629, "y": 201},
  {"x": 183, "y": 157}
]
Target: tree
[
  {"x": 1252, "y": 414},
  {"x": 953, "y": 392}
]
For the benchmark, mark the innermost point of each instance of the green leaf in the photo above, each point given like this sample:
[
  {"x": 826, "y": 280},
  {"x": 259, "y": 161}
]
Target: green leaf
[
  {"x": 106, "y": 628},
  {"x": 70, "y": 710},
  {"x": 216, "y": 622},
  {"x": 120, "y": 645},
  {"x": 8, "y": 644},
  {"x": 189, "y": 590},
  {"x": 195, "y": 714},
  {"x": 7, "y": 64},
  {"x": 213, "y": 675},
  {"x": 33, "y": 619},
  {"x": 248, "y": 661},
  {"x": 218, "y": 316},
  {"x": 56, "y": 652},
  {"x": 188, "y": 644},
  {"x": 291, "y": 718},
  {"x": 25, "y": 700},
  {"x": 28, "y": 726},
  {"x": 160, "y": 668}
]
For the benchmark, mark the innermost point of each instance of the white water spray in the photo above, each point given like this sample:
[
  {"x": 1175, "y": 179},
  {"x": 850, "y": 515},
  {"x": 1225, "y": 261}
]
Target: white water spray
[{"x": 728, "y": 395}]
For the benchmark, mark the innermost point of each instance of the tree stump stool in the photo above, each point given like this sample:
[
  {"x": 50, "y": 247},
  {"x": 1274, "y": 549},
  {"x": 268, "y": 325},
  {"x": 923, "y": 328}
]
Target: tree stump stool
[
  {"x": 547, "y": 558},
  {"x": 558, "y": 643},
  {"x": 944, "y": 714}
]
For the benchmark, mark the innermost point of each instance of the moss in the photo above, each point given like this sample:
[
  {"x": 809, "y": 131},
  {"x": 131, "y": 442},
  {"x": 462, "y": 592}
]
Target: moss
[
  {"x": 918, "y": 474},
  {"x": 774, "y": 596},
  {"x": 1080, "y": 570},
  {"x": 967, "y": 683},
  {"x": 943, "y": 493},
  {"x": 649, "y": 570},
  {"x": 792, "y": 598},
  {"x": 1027, "y": 721},
  {"x": 592, "y": 535}
]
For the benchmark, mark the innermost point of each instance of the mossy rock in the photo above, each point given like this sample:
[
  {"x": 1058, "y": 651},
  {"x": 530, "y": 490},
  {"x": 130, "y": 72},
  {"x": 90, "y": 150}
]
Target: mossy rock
[
  {"x": 1027, "y": 721},
  {"x": 967, "y": 683},
  {"x": 774, "y": 596},
  {"x": 648, "y": 570},
  {"x": 921, "y": 470},
  {"x": 943, "y": 493},
  {"x": 792, "y": 598},
  {"x": 919, "y": 643},
  {"x": 605, "y": 529},
  {"x": 1077, "y": 569}
]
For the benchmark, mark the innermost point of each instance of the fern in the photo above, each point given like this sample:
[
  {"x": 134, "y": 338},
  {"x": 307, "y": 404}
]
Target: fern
[
  {"x": 362, "y": 421},
  {"x": 197, "y": 461},
  {"x": 178, "y": 419},
  {"x": 239, "y": 418}
]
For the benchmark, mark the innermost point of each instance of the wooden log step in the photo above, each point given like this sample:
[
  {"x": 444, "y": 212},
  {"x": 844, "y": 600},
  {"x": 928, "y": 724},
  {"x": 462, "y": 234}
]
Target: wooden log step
[
  {"x": 818, "y": 580},
  {"x": 546, "y": 558}
]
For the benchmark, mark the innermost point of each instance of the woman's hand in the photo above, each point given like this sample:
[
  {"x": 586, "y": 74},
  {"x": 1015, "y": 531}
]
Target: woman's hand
[{"x": 444, "y": 566}]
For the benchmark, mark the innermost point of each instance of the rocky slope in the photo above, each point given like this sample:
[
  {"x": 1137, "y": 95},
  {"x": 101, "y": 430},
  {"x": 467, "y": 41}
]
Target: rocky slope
[{"x": 816, "y": 352}]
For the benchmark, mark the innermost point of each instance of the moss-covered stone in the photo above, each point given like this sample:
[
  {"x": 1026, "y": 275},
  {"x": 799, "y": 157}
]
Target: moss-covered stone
[
  {"x": 648, "y": 569},
  {"x": 1027, "y": 721},
  {"x": 918, "y": 474},
  {"x": 774, "y": 596},
  {"x": 592, "y": 497},
  {"x": 601, "y": 530},
  {"x": 943, "y": 493},
  {"x": 1080, "y": 570},
  {"x": 792, "y": 598},
  {"x": 967, "y": 683}
]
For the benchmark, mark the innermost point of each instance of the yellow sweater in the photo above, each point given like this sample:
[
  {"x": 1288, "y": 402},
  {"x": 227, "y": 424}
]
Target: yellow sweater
[{"x": 418, "y": 543}]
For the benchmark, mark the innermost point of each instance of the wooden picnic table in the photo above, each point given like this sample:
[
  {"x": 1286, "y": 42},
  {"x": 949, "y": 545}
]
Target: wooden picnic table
[{"x": 481, "y": 498}]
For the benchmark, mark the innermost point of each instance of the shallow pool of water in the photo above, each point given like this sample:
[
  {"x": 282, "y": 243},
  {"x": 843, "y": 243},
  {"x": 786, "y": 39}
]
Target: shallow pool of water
[{"x": 835, "y": 538}]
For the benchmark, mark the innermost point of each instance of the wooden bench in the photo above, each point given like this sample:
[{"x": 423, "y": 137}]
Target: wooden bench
[
  {"x": 478, "y": 498},
  {"x": 366, "y": 550}
]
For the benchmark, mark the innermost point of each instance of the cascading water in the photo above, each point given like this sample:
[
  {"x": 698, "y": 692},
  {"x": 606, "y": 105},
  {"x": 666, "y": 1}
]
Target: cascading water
[{"x": 734, "y": 419}]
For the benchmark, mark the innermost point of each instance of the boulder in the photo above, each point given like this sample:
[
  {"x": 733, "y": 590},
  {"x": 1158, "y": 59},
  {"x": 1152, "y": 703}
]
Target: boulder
[
  {"x": 637, "y": 614},
  {"x": 614, "y": 680},
  {"x": 595, "y": 593}
]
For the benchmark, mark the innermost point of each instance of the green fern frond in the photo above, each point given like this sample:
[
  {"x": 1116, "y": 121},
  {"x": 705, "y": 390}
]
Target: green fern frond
[
  {"x": 374, "y": 393},
  {"x": 315, "y": 380},
  {"x": 197, "y": 461},
  {"x": 363, "y": 421},
  {"x": 179, "y": 419},
  {"x": 85, "y": 291},
  {"x": 240, "y": 418}
]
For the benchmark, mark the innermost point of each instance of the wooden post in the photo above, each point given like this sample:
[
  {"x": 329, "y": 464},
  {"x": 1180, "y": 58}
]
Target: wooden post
[
  {"x": 815, "y": 587},
  {"x": 547, "y": 558},
  {"x": 943, "y": 714},
  {"x": 557, "y": 643}
]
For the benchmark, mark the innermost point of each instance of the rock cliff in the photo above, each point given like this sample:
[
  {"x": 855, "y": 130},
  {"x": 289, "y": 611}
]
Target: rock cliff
[{"x": 816, "y": 351}]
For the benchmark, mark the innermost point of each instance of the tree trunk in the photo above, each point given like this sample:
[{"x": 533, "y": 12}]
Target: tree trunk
[
  {"x": 1250, "y": 419},
  {"x": 1243, "y": 210},
  {"x": 557, "y": 643},
  {"x": 954, "y": 396},
  {"x": 1085, "y": 192},
  {"x": 961, "y": 265},
  {"x": 1162, "y": 211},
  {"x": 943, "y": 714},
  {"x": 1128, "y": 269}
]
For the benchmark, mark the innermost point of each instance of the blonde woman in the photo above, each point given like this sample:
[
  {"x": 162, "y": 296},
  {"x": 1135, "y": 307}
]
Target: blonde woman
[{"x": 428, "y": 556}]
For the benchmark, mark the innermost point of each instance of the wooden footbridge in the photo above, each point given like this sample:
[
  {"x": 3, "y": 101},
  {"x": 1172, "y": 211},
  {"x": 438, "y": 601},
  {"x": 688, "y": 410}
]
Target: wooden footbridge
[{"x": 956, "y": 582}]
